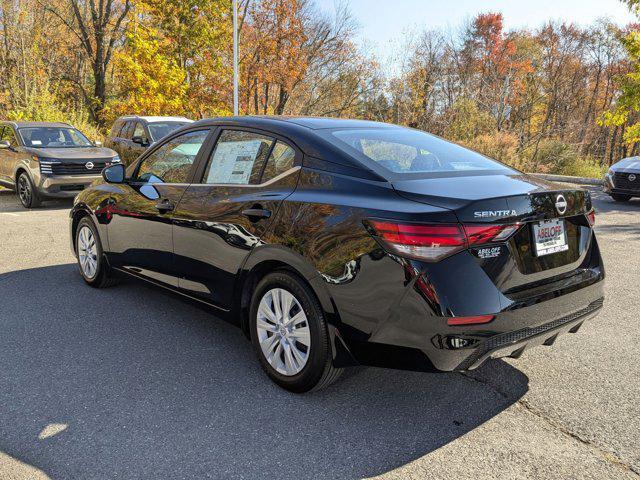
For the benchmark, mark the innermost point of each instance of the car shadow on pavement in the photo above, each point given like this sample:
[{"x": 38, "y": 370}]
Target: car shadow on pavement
[
  {"x": 129, "y": 382},
  {"x": 9, "y": 203}
]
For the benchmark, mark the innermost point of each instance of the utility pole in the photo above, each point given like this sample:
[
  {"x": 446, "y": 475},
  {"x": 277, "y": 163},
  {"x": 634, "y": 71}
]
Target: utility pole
[{"x": 235, "y": 57}]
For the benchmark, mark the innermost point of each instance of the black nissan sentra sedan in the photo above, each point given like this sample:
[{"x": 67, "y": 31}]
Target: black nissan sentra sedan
[{"x": 338, "y": 242}]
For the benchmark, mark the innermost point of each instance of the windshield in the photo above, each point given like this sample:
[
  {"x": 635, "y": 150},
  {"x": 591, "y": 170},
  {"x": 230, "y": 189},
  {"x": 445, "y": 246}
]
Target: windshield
[
  {"x": 406, "y": 151},
  {"x": 53, "y": 137},
  {"x": 160, "y": 129}
]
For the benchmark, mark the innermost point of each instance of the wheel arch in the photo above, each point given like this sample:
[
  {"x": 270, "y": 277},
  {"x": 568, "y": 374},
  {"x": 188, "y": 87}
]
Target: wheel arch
[
  {"x": 78, "y": 213},
  {"x": 267, "y": 259}
]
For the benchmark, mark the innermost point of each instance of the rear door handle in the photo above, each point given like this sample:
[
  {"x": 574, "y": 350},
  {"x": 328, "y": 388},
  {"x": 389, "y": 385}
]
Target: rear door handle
[
  {"x": 165, "y": 206},
  {"x": 256, "y": 213}
]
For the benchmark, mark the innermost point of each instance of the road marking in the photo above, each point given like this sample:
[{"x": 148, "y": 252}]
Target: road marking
[{"x": 10, "y": 213}]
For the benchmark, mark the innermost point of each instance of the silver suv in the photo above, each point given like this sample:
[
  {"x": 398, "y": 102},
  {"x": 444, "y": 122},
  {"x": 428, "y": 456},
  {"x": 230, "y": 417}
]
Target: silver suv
[{"x": 42, "y": 160}]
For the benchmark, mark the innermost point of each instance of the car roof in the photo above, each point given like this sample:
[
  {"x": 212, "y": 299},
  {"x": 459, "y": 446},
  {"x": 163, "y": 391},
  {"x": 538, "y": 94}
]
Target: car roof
[
  {"x": 312, "y": 123},
  {"x": 37, "y": 124},
  {"x": 306, "y": 133},
  {"x": 155, "y": 119}
]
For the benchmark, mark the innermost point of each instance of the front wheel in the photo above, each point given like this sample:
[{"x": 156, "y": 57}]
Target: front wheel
[
  {"x": 26, "y": 192},
  {"x": 289, "y": 334},
  {"x": 91, "y": 262},
  {"x": 620, "y": 198}
]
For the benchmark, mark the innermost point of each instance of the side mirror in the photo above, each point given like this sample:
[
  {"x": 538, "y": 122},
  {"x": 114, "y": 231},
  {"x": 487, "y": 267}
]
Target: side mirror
[
  {"x": 97, "y": 143},
  {"x": 140, "y": 141},
  {"x": 4, "y": 144},
  {"x": 114, "y": 173}
]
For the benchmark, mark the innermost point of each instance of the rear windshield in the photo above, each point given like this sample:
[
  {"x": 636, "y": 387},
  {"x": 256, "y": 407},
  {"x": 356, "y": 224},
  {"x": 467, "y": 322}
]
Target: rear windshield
[
  {"x": 53, "y": 137},
  {"x": 158, "y": 130},
  {"x": 402, "y": 151}
]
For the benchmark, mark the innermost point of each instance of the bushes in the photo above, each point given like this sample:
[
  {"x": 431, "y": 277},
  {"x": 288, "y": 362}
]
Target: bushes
[
  {"x": 501, "y": 146},
  {"x": 555, "y": 157},
  {"x": 551, "y": 156}
]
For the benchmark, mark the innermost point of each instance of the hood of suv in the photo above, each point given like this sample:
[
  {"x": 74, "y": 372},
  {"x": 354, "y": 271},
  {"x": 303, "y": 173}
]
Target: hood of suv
[{"x": 73, "y": 153}]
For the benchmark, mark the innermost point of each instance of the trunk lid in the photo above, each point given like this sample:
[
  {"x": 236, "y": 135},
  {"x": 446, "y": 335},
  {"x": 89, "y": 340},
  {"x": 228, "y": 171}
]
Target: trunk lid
[
  {"x": 495, "y": 198},
  {"x": 514, "y": 266}
]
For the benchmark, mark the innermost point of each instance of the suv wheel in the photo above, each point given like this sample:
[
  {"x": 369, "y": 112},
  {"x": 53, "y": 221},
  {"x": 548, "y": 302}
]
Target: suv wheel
[
  {"x": 27, "y": 192},
  {"x": 621, "y": 198},
  {"x": 91, "y": 262},
  {"x": 289, "y": 334}
]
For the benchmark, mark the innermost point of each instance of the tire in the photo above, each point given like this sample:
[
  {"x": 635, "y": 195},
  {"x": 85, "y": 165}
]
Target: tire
[
  {"x": 299, "y": 371},
  {"x": 620, "y": 198},
  {"x": 91, "y": 263},
  {"x": 27, "y": 193}
]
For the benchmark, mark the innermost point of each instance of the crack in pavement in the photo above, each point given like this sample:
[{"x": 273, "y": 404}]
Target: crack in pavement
[{"x": 607, "y": 456}]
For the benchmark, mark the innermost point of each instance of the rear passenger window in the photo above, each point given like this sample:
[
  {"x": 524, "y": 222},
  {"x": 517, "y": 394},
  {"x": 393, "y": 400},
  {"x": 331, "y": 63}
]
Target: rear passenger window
[
  {"x": 115, "y": 130},
  {"x": 281, "y": 159},
  {"x": 138, "y": 131},
  {"x": 127, "y": 130},
  {"x": 8, "y": 136},
  {"x": 238, "y": 158}
]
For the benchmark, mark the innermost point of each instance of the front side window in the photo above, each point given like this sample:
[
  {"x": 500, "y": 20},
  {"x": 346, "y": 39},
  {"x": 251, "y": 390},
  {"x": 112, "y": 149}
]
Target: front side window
[
  {"x": 172, "y": 161},
  {"x": 53, "y": 137},
  {"x": 238, "y": 158},
  {"x": 405, "y": 151}
]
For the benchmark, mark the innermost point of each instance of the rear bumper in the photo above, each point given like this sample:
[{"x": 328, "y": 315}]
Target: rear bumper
[{"x": 513, "y": 344}]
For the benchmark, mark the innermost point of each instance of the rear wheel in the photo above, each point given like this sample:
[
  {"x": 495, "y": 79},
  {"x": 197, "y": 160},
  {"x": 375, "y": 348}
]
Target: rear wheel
[
  {"x": 620, "y": 198},
  {"x": 289, "y": 334},
  {"x": 91, "y": 262},
  {"x": 26, "y": 192}
]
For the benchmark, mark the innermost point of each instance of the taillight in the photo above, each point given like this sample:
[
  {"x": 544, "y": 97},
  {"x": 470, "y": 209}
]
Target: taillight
[
  {"x": 591, "y": 216},
  {"x": 429, "y": 242},
  {"x": 433, "y": 242}
]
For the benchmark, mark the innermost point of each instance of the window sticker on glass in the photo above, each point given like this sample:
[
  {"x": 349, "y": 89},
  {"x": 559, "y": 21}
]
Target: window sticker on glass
[
  {"x": 238, "y": 158},
  {"x": 235, "y": 160}
]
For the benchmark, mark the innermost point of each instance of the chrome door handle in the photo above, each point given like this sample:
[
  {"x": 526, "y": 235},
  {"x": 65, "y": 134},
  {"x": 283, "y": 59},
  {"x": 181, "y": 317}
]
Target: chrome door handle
[{"x": 256, "y": 213}]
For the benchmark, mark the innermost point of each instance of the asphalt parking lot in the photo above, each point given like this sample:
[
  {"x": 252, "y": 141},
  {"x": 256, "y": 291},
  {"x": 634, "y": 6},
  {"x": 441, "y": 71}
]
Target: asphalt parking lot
[{"x": 131, "y": 383}]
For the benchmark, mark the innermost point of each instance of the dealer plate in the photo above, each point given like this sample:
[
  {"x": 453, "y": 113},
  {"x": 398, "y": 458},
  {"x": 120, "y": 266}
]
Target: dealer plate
[{"x": 549, "y": 236}]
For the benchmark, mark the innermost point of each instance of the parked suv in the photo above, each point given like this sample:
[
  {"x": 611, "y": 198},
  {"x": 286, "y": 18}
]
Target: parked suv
[
  {"x": 43, "y": 160},
  {"x": 132, "y": 135}
]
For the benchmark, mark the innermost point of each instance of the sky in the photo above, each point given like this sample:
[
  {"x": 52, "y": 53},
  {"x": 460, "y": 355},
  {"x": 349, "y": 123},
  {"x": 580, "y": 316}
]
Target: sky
[{"x": 383, "y": 22}]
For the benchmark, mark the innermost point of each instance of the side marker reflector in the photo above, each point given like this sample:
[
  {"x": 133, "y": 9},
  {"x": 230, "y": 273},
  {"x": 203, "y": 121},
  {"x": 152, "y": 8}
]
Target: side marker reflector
[{"x": 476, "y": 320}]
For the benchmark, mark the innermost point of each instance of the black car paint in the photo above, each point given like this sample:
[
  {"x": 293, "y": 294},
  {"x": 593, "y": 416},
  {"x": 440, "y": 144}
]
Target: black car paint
[{"x": 382, "y": 309}]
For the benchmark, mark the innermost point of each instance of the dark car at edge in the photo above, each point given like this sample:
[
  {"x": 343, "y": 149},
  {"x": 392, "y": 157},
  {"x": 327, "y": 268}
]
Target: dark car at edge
[{"x": 334, "y": 243}]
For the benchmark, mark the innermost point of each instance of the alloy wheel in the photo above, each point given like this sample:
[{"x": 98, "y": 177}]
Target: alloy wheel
[
  {"x": 24, "y": 190},
  {"x": 87, "y": 252},
  {"x": 283, "y": 331}
]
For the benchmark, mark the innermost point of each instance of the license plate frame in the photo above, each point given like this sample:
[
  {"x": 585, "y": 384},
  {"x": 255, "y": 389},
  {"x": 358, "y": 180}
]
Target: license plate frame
[{"x": 549, "y": 236}]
